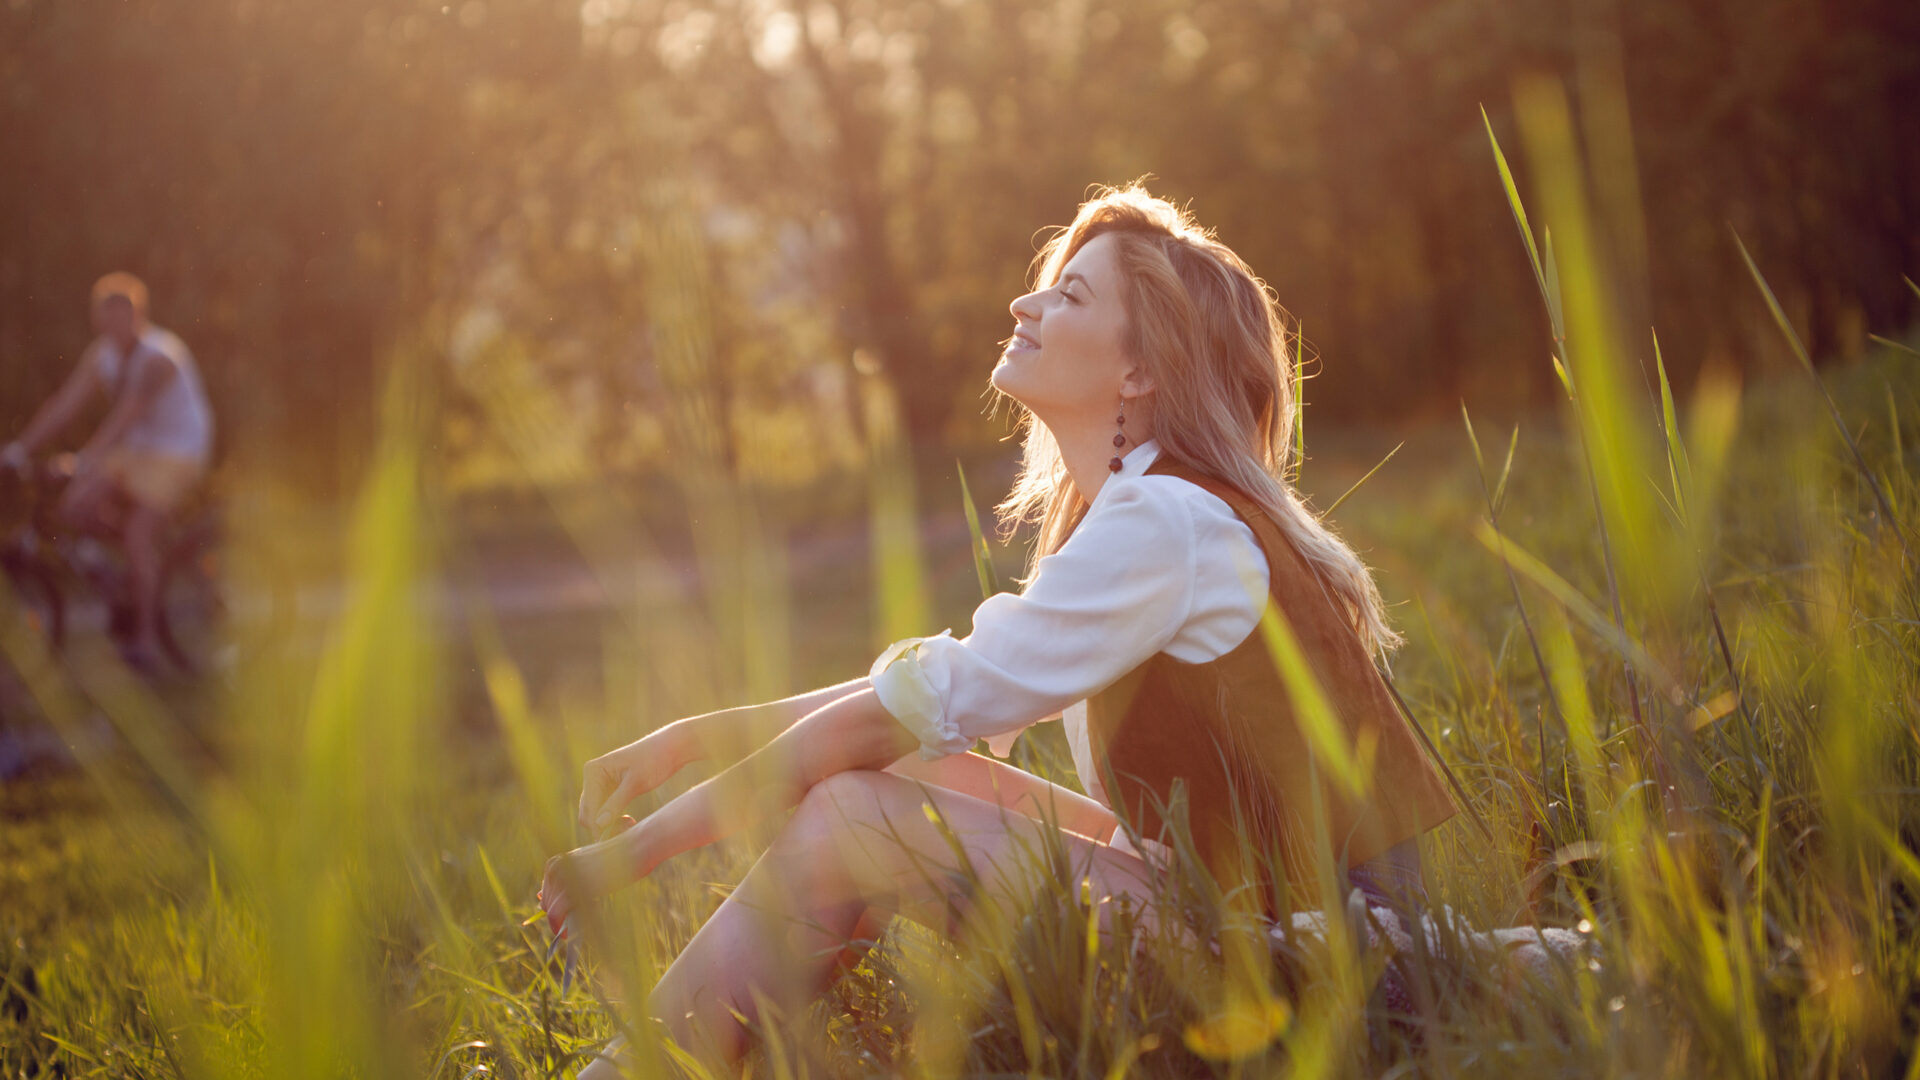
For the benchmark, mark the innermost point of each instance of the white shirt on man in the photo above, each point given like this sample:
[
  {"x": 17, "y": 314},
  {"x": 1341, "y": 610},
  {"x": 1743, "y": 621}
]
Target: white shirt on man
[{"x": 179, "y": 423}]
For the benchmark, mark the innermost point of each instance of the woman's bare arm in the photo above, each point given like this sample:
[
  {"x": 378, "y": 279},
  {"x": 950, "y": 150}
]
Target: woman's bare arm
[
  {"x": 618, "y": 777},
  {"x": 854, "y": 732},
  {"x": 1016, "y": 789},
  {"x": 732, "y": 734}
]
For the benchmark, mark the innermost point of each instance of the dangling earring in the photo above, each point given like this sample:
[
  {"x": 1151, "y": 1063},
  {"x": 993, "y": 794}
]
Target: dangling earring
[{"x": 1119, "y": 437}]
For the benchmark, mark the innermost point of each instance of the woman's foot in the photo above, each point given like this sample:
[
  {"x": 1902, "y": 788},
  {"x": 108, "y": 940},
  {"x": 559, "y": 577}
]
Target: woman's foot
[{"x": 606, "y": 1063}]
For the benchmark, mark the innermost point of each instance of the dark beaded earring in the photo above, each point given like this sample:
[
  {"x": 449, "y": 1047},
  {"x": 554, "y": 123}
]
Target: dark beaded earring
[{"x": 1119, "y": 437}]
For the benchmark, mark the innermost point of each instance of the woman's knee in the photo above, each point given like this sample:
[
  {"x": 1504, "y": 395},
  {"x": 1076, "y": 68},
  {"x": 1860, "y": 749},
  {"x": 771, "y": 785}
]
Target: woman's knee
[
  {"x": 850, "y": 825},
  {"x": 814, "y": 840},
  {"x": 845, "y": 798}
]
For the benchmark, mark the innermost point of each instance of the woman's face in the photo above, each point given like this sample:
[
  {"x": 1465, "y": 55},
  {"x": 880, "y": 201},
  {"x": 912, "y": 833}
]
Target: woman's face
[{"x": 1065, "y": 357}]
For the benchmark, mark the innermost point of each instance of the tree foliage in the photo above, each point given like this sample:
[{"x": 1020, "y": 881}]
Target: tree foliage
[{"x": 513, "y": 188}]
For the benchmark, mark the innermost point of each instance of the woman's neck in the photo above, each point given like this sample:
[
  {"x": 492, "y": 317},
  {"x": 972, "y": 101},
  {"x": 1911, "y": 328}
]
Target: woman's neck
[{"x": 1086, "y": 448}]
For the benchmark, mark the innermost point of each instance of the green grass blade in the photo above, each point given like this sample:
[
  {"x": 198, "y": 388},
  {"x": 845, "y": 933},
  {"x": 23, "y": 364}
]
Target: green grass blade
[
  {"x": 70, "y": 1048},
  {"x": 1894, "y": 345},
  {"x": 507, "y": 692},
  {"x": 1677, "y": 468},
  {"x": 1833, "y": 409},
  {"x": 493, "y": 881},
  {"x": 1625, "y": 520},
  {"x": 1312, "y": 709},
  {"x": 1556, "y": 309},
  {"x": 1893, "y": 432},
  {"x": 982, "y": 554},
  {"x": 1494, "y": 500},
  {"x": 1364, "y": 479},
  {"x": 901, "y": 602},
  {"x": 1582, "y": 609},
  {"x": 1460, "y": 792},
  {"x": 1897, "y": 853},
  {"x": 1496, "y": 496},
  {"x": 1479, "y": 461},
  {"x": 1519, "y": 209},
  {"x": 1780, "y": 319},
  {"x": 1506, "y": 470},
  {"x": 1560, "y": 371}
]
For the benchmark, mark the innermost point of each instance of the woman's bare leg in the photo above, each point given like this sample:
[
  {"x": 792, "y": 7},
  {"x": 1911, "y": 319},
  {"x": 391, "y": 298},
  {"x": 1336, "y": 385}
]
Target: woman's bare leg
[
  {"x": 859, "y": 840},
  {"x": 603, "y": 1067},
  {"x": 996, "y": 782}
]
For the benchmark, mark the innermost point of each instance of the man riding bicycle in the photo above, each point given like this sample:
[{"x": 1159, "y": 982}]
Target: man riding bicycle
[{"x": 148, "y": 454}]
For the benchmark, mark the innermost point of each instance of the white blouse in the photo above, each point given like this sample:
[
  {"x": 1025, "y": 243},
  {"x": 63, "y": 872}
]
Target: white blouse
[{"x": 1157, "y": 565}]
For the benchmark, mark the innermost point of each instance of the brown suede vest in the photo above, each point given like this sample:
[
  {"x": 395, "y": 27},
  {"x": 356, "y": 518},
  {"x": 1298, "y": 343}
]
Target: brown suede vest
[{"x": 1226, "y": 729}]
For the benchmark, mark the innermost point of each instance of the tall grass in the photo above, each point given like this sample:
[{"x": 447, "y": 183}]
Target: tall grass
[{"x": 1669, "y": 645}]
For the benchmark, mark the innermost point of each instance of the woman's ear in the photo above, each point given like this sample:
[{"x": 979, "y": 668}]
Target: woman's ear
[{"x": 1136, "y": 382}]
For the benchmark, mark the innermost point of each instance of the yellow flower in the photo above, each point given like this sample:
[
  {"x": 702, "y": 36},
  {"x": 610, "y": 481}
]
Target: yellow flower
[{"x": 1240, "y": 1030}]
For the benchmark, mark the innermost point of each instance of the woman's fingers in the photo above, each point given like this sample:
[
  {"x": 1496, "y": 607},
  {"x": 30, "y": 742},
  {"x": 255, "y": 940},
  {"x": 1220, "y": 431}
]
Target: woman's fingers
[
  {"x": 612, "y": 782},
  {"x": 583, "y": 874},
  {"x": 557, "y": 901},
  {"x": 609, "y": 811},
  {"x": 607, "y": 826},
  {"x": 553, "y": 901},
  {"x": 599, "y": 783},
  {"x": 561, "y": 883}
]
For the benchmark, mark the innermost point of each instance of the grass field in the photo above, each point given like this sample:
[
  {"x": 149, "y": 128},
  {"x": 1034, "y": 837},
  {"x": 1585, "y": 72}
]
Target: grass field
[
  {"x": 340, "y": 887},
  {"x": 1692, "y": 735}
]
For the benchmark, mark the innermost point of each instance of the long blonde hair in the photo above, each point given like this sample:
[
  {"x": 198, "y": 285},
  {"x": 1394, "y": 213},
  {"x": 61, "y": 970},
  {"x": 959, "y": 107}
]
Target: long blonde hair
[{"x": 1214, "y": 341}]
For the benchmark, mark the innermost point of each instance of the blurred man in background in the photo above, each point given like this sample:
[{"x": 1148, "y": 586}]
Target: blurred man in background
[{"x": 147, "y": 455}]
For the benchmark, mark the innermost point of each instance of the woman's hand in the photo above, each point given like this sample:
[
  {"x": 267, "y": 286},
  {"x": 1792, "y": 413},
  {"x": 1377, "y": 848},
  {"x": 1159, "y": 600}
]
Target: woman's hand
[
  {"x": 614, "y": 779},
  {"x": 853, "y": 732},
  {"x": 587, "y": 873}
]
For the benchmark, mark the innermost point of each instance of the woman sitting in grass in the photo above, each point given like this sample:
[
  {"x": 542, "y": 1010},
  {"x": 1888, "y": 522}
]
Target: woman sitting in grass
[{"x": 1151, "y": 369}]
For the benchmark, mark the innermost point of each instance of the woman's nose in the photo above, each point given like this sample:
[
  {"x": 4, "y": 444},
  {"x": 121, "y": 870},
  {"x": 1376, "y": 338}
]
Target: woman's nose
[{"x": 1026, "y": 307}]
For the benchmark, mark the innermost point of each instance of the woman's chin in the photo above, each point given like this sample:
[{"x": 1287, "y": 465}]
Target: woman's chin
[
  {"x": 1016, "y": 397},
  {"x": 1006, "y": 377}
]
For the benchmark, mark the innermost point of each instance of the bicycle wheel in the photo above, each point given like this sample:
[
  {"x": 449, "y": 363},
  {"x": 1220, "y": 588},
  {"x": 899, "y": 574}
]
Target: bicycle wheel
[
  {"x": 36, "y": 595},
  {"x": 216, "y": 602},
  {"x": 192, "y": 615}
]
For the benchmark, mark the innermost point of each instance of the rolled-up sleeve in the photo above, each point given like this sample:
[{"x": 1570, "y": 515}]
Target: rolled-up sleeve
[
  {"x": 1114, "y": 594},
  {"x": 905, "y": 688}
]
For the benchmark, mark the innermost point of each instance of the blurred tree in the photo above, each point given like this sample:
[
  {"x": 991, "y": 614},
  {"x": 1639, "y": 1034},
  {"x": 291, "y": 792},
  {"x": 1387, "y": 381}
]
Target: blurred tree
[{"x": 306, "y": 182}]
